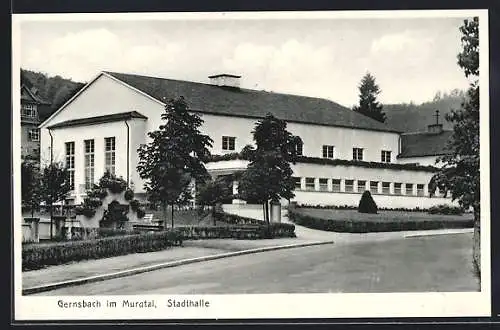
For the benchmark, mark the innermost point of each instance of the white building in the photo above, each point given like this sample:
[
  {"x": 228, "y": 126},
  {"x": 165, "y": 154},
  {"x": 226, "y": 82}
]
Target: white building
[{"x": 345, "y": 153}]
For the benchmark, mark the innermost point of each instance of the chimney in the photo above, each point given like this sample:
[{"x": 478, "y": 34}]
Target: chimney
[
  {"x": 226, "y": 80},
  {"x": 435, "y": 128}
]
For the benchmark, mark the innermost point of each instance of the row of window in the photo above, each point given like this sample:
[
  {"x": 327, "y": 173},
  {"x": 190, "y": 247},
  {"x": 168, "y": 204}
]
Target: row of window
[
  {"x": 229, "y": 144},
  {"x": 335, "y": 185},
  {"x": 89, "y": 160}
]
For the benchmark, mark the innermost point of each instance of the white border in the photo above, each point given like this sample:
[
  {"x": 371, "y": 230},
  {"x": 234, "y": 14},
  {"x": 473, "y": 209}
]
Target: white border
[{"x": 451, "y": 304}]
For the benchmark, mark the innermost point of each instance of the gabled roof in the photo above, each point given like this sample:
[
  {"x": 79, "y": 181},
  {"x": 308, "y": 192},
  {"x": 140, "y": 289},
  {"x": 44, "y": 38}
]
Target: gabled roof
[
  {"x": 234, "y": 101},
  {"x": 32, "y": 97},
  {"x": 424, "y": 144},
  {"x": 99, "y": 119}
]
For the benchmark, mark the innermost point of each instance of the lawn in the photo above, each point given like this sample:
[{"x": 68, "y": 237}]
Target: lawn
[{"x": 381, "y": 216}]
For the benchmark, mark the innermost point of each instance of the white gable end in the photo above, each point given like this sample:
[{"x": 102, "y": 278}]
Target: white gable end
[{"x": 105, "y": 96}]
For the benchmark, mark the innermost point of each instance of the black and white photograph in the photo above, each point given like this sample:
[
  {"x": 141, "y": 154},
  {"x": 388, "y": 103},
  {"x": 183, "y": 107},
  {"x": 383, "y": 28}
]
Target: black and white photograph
[{"x": 249, "y": 165}]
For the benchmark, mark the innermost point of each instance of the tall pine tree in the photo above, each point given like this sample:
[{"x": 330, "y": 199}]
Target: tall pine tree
[
  {"x": 174, "y": 157},
  {"x": 368, "y": 105}
]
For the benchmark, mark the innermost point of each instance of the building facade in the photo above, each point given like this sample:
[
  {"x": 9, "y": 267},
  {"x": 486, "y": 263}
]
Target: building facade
[
  {"x": 31, "y": 103},
  {"x": 344, "y": 153}
]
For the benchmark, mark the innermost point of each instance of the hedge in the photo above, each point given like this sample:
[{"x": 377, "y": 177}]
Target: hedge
[
  {"x": 245, "y": 231},
  {"x": 37, "y": 256},
  {"x": 362, "y": 226},
  {"x": 351, "y": 207},
  {"x": 446, "y": 210},
  {"x": 236, "y": 219}
]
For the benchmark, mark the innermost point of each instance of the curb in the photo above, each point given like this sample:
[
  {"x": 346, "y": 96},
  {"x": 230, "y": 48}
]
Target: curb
[
  {"x": 451, "y": 232},
  {"x": 139, "y": 270}
]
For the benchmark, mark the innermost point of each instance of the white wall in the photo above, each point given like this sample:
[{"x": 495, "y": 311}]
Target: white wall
[
  {"x": 106, "y": 96},
  {"x": 97, "y": 132},
  {"x": 313, "y": 136}
]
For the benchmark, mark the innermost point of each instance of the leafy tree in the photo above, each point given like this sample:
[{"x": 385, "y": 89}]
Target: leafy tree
[
  {"x": 30, "y": 186},
  {"x": 55, "y": 186},
  {"x": 213, "y": 192},
  {"x": 174, "y": 157},
  {"x": 368, "y": 105},
  {"x": 268, "y": 176},
  {"x": 460, "y": 173}
]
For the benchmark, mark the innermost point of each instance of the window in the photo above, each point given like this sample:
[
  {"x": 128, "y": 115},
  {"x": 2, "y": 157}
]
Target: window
[
  {"x": 374, "y": 187},
  {"x": 386, "y": 188},
  {"x": 28, "y": 110},
  {"x": 297, "y": 181},
  {"x": 310, "y": 184},
  {"x": 420, "y": 190},
  {"x": 109, "y": 155},
  {"x": 70, "y": 163},
  {"x": 34, "y": 134},
  {"x": 397, "y": 188},
  {"x": 228, "y": 142},
  {"x": 385, "y": 156},
  {"x": 357, "y": 154},
  {"x": 328, "y": 151},
  {"x": 349, "y": 185},
  {"x": 336, "y": 184},
  {"x": 361, "y": 186},
  {"x": 323, "y": 184},
  {"x": 409, "y": 189},
  {"x": 89, "y": 163},
  {"x": 299, "y": 148}
]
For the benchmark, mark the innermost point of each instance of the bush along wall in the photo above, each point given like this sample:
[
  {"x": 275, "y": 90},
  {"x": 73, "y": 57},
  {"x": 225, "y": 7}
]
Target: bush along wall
[
  {"x": 37, "y": 256},
  {"x": 109, "y": 204},
  {"x": 246, "y": 231},
  {"x": 360, "y": 226}
]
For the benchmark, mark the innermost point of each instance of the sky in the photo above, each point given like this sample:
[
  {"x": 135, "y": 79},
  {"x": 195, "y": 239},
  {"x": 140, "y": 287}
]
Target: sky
[{"x": 411, "y": 58}]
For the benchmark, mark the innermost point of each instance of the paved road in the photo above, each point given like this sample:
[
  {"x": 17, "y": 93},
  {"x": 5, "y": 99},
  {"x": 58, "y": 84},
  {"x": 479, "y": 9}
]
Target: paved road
[{"x": 440, "y": 263}]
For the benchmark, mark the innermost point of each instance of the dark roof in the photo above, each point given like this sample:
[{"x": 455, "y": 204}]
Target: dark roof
[
  {"x": 224, "y": 75},
  {"x": 100, "y": 119},
  {"x": 234, "y": 101},
  {"x": 424, "y": 144},
  {"x": 32, "y": 96}
]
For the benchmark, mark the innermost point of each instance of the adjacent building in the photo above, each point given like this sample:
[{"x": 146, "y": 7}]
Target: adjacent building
[
  {"x": 344, "y": 152},
  {"x": 31, "y": 104}
]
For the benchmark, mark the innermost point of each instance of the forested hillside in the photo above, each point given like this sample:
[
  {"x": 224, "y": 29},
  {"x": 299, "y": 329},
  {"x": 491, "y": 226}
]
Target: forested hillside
[
  {"x": 413, "y": 118},
  {"x": 56, "y": 90}
]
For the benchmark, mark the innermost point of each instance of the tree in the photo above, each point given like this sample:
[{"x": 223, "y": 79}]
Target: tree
[
  {"x": 30, "y": 186},
  {"x": 368, "y": 105},
  {"x": 174, "y": 157},
  {"x": 460, "y": 173},
  {"x": 268, "y": 176},
  {"x": 367, "y": 204},
  {"x": 213, "y": 192},
  {"x": 55, "y": 186}
]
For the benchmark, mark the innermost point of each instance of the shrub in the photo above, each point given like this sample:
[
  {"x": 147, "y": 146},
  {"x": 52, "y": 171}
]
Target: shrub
[
  {"x": 111, "y": 182},
  {"x": 446, "y": 210},
  {"x": 362, "y": 226},
  {"x": 367, "y": 204},
  {"x": 129, "y": 195},
  {"x": 134, "y": 204},
  {"x": 140, "y": 213},
  {"x": 97, "y": 192},
  {"x": 36, "y": 256}
]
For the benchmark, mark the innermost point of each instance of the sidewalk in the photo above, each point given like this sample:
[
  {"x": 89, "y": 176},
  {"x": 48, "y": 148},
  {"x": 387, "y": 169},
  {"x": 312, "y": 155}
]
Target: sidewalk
[{"x": 190, "y": 249}]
